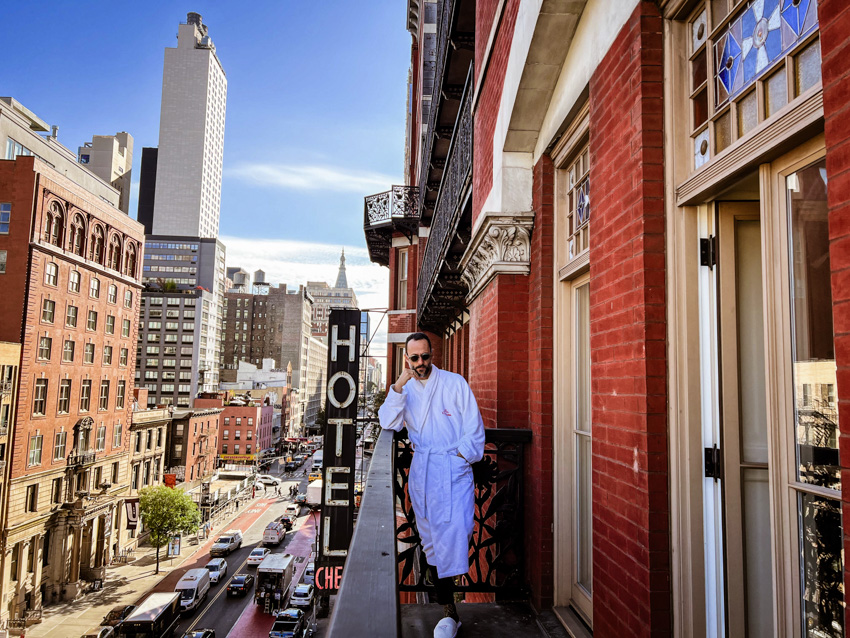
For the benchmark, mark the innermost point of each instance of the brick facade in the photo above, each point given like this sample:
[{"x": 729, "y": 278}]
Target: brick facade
[
  {"x": 835, "y": 54},
  {"x": 628, "y": 335}
]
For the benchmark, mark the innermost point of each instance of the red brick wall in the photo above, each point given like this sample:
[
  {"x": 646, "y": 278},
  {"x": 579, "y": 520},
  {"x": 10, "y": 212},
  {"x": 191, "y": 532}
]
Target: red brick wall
[
  {"x": 539, "y": 481},
  {"x": 498, "y": 352},
  {"x": 628, "y": 332},
  {"x": 485, "y": 14},
  {"x": 489, "y": 97},
  {"x": 834, "y": 16}
]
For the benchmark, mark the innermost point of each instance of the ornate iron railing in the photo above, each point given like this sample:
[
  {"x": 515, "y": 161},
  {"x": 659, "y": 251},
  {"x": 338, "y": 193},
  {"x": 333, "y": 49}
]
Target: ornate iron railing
[
  {"x": 395, "y": 205},
  {"x": 81, "y": 459},
  {"x": 388, "y": 212},
  {"x": 449, "y": 205},
  {"x": 444, "y": 22},
  {"x": 497, "y": 556}
]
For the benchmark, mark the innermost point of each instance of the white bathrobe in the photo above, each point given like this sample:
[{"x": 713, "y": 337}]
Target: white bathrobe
[{"x": 442, "y": 419}]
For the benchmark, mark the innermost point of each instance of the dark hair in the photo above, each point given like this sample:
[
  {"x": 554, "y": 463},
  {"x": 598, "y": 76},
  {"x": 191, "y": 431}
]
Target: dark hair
[{"x": 417, "y": 336}]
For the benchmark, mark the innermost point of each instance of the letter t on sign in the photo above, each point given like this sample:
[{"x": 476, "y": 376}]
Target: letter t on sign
[{"x": 339, "y": 423}]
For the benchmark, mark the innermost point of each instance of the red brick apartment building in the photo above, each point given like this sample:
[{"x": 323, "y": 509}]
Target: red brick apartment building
[
  {"x": 245, "y": 429},
  {"x": 70, "y": 281},
  {"x": 627, "y": 223}
]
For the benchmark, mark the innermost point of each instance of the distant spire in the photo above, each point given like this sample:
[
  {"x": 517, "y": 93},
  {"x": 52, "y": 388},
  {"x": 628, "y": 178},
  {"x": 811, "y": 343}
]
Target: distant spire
[{"x": 341, "y": 280}]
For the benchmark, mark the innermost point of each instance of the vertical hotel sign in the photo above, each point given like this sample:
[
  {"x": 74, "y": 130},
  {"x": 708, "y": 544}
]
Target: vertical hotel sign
[{"x": 337, "y": 520}]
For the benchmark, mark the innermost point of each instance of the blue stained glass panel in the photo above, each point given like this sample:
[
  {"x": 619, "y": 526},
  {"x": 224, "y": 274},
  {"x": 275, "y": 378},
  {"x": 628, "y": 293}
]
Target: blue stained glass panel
[{"x": 762, "y": 33}]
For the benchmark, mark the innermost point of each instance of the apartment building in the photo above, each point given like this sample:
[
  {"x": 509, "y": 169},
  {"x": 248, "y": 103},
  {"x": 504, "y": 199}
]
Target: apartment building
[{"x": 72, "y": 263}]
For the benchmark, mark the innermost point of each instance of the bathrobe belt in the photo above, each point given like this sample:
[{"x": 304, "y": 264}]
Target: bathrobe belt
[{"x": 445, "y": 479}]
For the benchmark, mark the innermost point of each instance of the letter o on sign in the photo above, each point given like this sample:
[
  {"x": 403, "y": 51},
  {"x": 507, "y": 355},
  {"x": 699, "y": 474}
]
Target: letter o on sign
[{"x": 352, "y": 389}]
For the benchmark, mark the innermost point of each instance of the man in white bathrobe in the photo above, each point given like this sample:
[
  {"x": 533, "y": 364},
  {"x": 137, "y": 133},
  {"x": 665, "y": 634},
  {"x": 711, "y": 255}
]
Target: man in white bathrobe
[{"x": 447, "y": 433}]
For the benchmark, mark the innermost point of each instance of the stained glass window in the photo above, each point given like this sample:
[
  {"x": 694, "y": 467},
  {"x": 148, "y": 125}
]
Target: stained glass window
[{"x": 735, "y": 46}]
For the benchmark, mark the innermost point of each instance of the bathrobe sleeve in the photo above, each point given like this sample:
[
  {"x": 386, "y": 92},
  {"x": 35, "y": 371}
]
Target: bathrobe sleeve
[
  {"x": 391, "y": 412},
  {"x": 471, "y": 444}
]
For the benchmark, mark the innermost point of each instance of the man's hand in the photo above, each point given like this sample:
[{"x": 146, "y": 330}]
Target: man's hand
[{"x": 406, "y": 375}]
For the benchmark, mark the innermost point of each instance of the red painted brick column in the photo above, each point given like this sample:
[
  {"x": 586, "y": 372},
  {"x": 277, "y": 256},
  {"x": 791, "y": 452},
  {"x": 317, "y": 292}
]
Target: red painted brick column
[
  {"x": 539, "y": 513},
  {"x": 631, "y": 592},
  {"x": 834, "y": 16},
  {"x": 498, "y": 357}
]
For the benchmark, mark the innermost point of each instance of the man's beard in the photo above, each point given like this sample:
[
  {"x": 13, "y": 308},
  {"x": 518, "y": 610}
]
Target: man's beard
[{"x": 423, "y": 371}]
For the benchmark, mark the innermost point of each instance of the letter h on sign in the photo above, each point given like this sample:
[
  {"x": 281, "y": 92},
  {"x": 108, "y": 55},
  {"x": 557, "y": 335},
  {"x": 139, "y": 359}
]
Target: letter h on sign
[{"x": 337, "y": 521}]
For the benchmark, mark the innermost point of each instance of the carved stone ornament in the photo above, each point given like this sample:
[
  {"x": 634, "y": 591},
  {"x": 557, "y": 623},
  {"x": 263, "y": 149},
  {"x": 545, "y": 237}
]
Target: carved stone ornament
[{"x": 501, "y": 244}]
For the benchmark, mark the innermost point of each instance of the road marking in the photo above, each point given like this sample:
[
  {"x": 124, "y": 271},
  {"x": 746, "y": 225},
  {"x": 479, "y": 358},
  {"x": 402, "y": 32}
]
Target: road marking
[{"x": 218, "y": 595}]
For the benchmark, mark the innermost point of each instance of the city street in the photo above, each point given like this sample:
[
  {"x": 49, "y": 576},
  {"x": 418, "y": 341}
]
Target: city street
[{"x": 240, "y": 616}]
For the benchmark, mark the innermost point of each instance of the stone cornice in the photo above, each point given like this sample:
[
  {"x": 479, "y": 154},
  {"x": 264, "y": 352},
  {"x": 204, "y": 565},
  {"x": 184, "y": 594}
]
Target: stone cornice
[{"x": 501, "y": 244}]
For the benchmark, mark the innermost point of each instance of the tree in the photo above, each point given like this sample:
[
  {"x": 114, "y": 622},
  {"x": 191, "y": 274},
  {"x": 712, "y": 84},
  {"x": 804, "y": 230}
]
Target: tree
[
  {"x": 167, "y": 512},
  {"x": 321, "y": 419},
  {"x": 379, "y": 398}
]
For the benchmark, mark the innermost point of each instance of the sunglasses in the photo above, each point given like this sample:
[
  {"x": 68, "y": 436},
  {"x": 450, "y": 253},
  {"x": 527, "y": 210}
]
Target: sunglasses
[{"x": 415, "y": 357}]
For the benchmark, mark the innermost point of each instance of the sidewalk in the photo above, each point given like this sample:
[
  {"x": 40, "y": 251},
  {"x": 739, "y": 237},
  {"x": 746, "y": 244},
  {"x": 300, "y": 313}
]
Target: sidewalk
[{"x": 125, "y": 584}]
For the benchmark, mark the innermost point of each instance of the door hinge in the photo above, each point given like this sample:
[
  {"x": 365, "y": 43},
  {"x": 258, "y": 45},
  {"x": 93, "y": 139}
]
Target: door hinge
[
  {"x": 708, "y": 251},
  {"x": 713, "y": 463}
]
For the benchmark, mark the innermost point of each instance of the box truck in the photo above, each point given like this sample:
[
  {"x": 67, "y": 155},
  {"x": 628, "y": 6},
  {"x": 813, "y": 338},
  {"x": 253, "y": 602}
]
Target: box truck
[{"x": 274, "y": 575}]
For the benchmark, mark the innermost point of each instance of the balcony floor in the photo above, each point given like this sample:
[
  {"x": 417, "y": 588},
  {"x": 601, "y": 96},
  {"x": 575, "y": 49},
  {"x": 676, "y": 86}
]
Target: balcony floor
[{"x": 487, "y": 620}]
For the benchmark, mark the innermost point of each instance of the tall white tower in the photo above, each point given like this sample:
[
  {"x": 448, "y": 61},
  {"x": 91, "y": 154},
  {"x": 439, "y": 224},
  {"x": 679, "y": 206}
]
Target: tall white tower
[{"x": 191, "y": 136}]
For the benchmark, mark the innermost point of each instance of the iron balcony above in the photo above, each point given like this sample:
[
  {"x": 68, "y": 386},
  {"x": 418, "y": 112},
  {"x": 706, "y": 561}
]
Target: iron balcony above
[
  {"x": 393, "y": 211},
  {"x": 86, "y": 458}
]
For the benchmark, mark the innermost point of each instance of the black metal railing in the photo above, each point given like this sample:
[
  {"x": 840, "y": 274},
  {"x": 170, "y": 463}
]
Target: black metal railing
[
  {"x": 395, "y": 210},
  {"x": 85, "y": 458},
  {"x": 497, "y": 557},
  {"x": 449, "y": 205},
  {"x": 367, "y": 603}
]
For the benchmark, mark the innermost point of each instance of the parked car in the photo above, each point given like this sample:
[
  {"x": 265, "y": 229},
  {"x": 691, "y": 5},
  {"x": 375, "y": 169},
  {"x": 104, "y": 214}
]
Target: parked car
[
  {"x": 302, "y": 596},
  {"x": 101, "y": 632},
  {"x": 300, "y": 499},
  {"x": 267, "y": 479},
  {"x": 290, "y": 623},
  {"x": 240, "y": 584},
  {"x": 293, "y": 510},
  {"x": 217, "y": 568},
  {"x": 200, "y": 633},
  {"x": 230, "y": 541},
  {"x": 257, "y": 555},
  {"x": 117, "y": 615}
]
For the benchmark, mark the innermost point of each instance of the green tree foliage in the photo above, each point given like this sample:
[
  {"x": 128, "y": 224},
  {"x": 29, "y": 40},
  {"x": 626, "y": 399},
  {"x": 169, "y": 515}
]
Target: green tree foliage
[{"x": 167, "y": 512}]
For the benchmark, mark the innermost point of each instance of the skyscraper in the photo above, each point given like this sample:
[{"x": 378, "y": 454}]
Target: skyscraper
[{"x": 191, "y": 135}]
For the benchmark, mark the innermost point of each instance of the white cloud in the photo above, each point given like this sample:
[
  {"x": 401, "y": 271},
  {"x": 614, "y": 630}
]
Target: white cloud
[
  {"x": 295, "y": 263},
  {"x": 315, "y": 177}
]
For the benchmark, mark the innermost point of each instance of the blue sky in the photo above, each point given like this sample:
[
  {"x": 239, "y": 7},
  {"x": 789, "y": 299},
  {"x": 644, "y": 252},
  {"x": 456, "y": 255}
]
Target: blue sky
[{"x": 315, "y": 109}]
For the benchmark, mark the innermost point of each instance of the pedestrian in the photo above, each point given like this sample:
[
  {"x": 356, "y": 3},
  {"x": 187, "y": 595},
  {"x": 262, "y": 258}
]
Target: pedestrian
[{"x": 447, "y": 436}]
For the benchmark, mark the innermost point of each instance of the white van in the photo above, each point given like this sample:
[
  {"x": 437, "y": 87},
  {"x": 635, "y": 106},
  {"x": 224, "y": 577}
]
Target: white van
[
  {"x": 274, "y": 533},
  {"x": 318, "y": 457},
  {"x": 193, "y": 589}
]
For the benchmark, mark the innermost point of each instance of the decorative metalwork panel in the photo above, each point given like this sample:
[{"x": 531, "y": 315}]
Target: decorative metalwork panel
[
  {"x": 497, "y": 561},
  {"x": 388, "y": 212},
  {"x": 447, "y": 211},
  {"x": 756, "y": 39}
]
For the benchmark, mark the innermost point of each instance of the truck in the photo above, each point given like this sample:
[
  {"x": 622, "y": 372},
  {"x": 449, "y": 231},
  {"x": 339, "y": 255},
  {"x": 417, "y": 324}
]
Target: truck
[
  {"x": 193, "y": 588},
  {"x": 156, "y": 617},
  {"x": 229, "y": 541},
  {"x": 318, "y": 459},
  {"x": 274, "y": 575},
  {"x": 314, "y": 494},
  {"x": 274, "y": 533}
]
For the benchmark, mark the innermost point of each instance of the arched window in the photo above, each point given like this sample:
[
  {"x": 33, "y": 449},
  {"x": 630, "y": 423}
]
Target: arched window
[
  {"x": 128, "y": 299},
  {"x": 114, "y": 253},
  {"x": 97, "y": 245},
  {"x": 130, "y": 262},
  {"x": 53, "y": 229},
  {"x": 77, "y": 238}
]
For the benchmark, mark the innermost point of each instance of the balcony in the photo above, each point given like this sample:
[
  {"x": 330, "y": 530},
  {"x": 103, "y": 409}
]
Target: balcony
[
  {"x": 386, "y": 560},
  {"x": 86, "y": 458},
  {"x": 386, "y": 213},
  {"x": 442, "y": 291}
]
